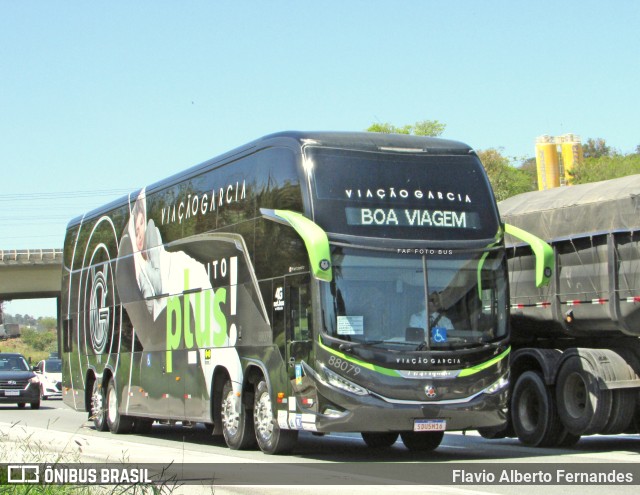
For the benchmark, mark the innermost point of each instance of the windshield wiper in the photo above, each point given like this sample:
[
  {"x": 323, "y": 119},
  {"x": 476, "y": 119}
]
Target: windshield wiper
[
  {"x": 348, "y": 346},
  {"x": 392, "y": 342}
]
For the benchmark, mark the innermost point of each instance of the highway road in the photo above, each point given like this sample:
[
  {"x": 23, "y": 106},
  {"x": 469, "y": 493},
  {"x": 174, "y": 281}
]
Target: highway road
[{"x": 55, "y": 427}]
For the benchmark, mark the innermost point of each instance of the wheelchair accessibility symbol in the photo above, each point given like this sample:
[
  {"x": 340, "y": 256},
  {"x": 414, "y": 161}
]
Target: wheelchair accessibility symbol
[{"x": 439, "y": 334}]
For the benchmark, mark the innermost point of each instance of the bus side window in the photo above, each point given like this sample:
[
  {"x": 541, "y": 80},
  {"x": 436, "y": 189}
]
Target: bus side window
[{"x": 67, "y": 330}]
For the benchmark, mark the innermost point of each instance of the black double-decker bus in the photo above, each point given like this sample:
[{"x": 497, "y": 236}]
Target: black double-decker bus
[{"x": 327, "y": 282}]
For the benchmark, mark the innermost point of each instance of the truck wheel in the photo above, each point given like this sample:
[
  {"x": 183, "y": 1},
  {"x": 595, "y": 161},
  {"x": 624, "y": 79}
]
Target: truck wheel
[
  {"x": 271, "y": 438},
  {"x": 118, "y": 423},
  {"x": 583, "y": 407},
  {"x": 237, "y": 420},
  {"x": 379, "y": 440},
  {"x": 533, "y": 412},
  {"x": 622, "y": 412},
  {"x": 568, "y": 439},
  {"x": 98, "y": 411},
  {"x": 420, "y": 441}
]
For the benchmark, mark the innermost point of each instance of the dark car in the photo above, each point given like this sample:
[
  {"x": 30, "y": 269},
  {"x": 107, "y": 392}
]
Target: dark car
[{"x": 18, "y": 383}]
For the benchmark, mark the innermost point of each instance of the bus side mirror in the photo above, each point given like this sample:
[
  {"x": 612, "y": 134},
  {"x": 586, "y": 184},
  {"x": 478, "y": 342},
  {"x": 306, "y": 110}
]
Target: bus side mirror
[
  {"x": 542, "y": 251},
  {"x": 315, "y": 240}
]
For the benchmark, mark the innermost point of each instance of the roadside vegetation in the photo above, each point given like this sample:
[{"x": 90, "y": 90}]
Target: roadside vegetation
[
  {"x": 33, "y": 345},
  {"x": 16, "y": 448}
]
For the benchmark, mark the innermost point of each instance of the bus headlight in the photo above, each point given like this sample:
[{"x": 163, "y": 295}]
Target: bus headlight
[
  {"x": 343, "y": 384},
  {"x": 497, "y": 386}
]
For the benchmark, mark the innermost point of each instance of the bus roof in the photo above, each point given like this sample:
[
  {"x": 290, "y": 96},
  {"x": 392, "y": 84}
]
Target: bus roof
[
  {"x": 369, "y": 141},
  {"x": 361, "y": 141}
]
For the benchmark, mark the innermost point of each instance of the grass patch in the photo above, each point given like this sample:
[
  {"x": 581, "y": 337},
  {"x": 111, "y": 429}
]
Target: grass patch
[
  {"x": 19, "y": 447},
  {"x": 17, "y": 344}
]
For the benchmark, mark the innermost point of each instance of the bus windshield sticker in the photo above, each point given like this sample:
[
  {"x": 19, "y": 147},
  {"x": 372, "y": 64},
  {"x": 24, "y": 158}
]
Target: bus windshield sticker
[
  {"x": 350, "y": 325},
  {"x": 439, "y": 334}
]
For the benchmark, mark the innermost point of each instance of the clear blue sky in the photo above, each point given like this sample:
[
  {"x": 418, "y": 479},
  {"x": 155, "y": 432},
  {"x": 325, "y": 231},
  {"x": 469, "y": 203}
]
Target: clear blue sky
[{"x": 99, "y": 98}]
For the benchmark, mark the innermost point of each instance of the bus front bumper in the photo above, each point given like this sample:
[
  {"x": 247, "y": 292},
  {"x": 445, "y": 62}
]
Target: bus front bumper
[{"x": 340, "y": 410}]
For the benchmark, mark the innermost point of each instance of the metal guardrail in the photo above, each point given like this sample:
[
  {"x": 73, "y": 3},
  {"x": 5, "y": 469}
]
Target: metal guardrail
[{"x": 17, "y": 256}]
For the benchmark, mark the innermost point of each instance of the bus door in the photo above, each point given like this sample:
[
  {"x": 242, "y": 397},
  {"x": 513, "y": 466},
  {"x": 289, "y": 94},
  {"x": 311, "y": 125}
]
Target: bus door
[{"x": 299, "y": 335}]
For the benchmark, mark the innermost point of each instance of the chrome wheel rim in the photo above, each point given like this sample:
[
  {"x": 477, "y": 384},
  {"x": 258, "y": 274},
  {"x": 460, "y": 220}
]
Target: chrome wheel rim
[
  {"x": 263, "y": 416},
  {"x": 230, "y": 413},
  {"x": 96, "y": 403},
  {"x": 112, "y": 402}
]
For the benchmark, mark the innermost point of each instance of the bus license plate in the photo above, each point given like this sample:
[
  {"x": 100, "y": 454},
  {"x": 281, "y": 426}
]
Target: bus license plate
[
  {"x": 11, "y": 393},
  {"x": 429, "y": 425}
]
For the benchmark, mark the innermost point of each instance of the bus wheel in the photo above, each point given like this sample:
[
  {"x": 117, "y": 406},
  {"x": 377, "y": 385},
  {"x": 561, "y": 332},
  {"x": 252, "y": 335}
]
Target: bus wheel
[
  {"x": 237, "y": 420},
  {"x": 493, "y": 432},
  {"x": 271, "y": 438},
  {"x": 142, "y": 425},
  {"x": 582, "y": 405},
  {"x": 533, "y": 411},
  {"x": 422, "y": 441},
  {"x": 379, "y": 440},
  {"x": 98, "y": 412},
  {"x": 117, "y": 422}
]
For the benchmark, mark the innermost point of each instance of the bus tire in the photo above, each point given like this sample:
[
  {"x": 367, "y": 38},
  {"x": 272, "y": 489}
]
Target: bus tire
[
  {"x": 379, "y": 440},
  {"x": 118, "y": 423},
  {"x": 98, "y": 411},
  {"x": 422, "y": 441},
  {"x": 583, "y": 406},
  {"x": 497, "y": 432},
  {"x": 142, "y": 426},
  {"x": 270, "y": 437},
  {"x": 237, "y": 420},
  {"x": 533, "y": 411}
]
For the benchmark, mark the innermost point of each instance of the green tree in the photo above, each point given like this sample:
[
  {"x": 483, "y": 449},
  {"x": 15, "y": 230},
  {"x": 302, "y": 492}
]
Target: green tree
[
  {"x": 39, "y": 341},
  {"x": 431, "y": 128},
  {"x": 530, "y": 167},
  {"x": 505, "y": 179},
  {"x": 595, "y": 148},
  {"x": 605, "y": 167},
  {"x": 47, "y": 323}
]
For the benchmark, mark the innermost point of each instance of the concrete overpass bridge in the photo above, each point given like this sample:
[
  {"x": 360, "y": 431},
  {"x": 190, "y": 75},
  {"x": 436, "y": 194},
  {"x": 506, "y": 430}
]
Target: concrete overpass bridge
[{"x": 30, "y": 273}]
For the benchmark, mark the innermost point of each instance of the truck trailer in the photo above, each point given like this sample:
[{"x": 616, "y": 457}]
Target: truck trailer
[{"x": 575, "y": 364}]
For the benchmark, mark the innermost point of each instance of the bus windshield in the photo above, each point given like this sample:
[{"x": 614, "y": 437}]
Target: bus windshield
[{"x": 401, "y": 301}]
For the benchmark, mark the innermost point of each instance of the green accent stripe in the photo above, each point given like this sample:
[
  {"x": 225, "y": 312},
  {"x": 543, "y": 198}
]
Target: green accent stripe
[
  {"x": 483, "y": 366},
  {"x": 389, "y": 372},
  {"x": 363, "y": 364}
]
